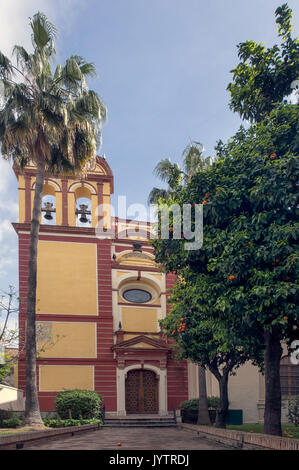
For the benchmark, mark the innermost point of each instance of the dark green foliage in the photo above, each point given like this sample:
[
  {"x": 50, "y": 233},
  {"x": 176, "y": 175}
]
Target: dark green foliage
[
  {"x": 243, "y": 283},
  {"x": 9, "y": 420},
  {"x": 78, "y": 404},
  {"x": 192, "y": 404},
  {"x": 264, "y": 76},
  {"x": 293, "y": 410},
  {"x": 63, "y": 423},
  {"x": 5, "y": 368}
]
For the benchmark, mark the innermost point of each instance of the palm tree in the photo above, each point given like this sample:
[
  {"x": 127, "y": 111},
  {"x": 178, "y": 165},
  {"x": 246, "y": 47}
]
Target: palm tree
[
  {"x": 52, "y": 120},
  {"x": 174, "y": 176}
]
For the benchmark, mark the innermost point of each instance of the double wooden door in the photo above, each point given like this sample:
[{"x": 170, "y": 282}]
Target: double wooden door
[{"x": 141, "y": 392}]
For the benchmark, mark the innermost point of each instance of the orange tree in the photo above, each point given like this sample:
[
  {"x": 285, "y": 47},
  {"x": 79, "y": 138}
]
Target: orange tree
[
  {"x": 242, "y": 285},
  {"x": 265, "y": 76},
  {"x": 207, "y": 335}
]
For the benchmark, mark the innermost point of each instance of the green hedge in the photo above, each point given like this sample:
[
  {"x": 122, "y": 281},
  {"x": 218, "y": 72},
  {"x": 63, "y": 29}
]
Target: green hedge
[
  {"x": 10, "y": 421},
  {"x": 63, "y": 423},
  {"x": 192, "y": 404},
  {"x": 78, "y": 404}
]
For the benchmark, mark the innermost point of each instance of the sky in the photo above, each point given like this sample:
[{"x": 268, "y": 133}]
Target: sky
[{"x": 163, "y": 69}]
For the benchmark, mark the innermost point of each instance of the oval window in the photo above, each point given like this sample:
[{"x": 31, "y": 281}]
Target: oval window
[{"x": 137, "y": 296}]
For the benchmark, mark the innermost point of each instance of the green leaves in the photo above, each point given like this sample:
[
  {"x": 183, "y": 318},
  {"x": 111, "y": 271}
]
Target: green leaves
[
  {"x": 263, "y": 77},
  {"x": 244, "y": 280},
  {"x": 6, "y": 68},
  {"x": 43, "y": 30}
]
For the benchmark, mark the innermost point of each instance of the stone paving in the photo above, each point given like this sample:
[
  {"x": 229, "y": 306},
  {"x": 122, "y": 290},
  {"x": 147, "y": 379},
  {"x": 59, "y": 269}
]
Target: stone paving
[{"x": 130, "y": 439}]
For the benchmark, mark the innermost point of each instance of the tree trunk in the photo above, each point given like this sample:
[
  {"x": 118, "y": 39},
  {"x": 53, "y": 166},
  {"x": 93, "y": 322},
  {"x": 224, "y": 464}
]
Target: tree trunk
[
  {"x": 203, "y": 416},
  {"x": 221, "y": 413},
  {"x": 273, "y": 352},
  {"x": 32, "y": 412}
]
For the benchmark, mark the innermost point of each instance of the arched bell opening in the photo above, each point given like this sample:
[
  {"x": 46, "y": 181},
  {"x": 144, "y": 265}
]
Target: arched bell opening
[
  {"x": 48, "y": 205},
  {"x": 83, "y": 207}
]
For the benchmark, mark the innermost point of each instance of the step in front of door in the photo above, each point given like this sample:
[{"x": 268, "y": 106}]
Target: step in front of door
[{"x": 139, "y": 423}]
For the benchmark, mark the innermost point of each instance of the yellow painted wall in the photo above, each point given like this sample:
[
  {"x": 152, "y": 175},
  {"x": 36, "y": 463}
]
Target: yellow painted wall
[
  {"x": 107, "y": 213},
  {"x": 139, "y": 319},
  {"x": 157, "y": 276},
  {"x": 57, "y": 378},
  {"x": 94, "y": 212},
  {"x": 106, "y": 188},
  {"x": 136, "y": 259},
  {"x": 122, "y": 273},
  {"x": 58, "y": 208},
  {"x": 127, "y": 337},
  {"x": 143, "y": 345},
  {"x": 21, "y": 181},
  {"x": 21, "y": 205},
  {"x": 69, "y": 340},
  {"x": 66, "y": 278}
]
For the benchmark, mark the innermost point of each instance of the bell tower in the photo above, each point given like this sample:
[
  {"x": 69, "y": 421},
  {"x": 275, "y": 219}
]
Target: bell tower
[
  {"x": 74, "y": 301},
  {"x": 64, "y": 195}
]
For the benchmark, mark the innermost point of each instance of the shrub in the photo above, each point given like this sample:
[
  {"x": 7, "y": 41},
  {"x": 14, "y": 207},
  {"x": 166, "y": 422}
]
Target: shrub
[
  {"x": 214, "y": 402},
  {"x": 293, "y": 410},
  {"x": 12, "y": 422},
  {"x": 192, "y": 404},
  {"x": 62, "y": 423},
  {"x": 78, "y": 404}
]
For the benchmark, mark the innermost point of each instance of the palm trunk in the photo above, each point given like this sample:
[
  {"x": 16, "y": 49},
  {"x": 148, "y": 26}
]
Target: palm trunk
[
  {"x": 221, "y": 413},
  {"x": 273, "y": 352},
  {"x": 203, "y": 416},
  {"x": 32, "y": 412}
]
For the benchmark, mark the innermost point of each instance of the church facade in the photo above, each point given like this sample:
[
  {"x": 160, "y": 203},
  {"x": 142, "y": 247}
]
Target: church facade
[{"x": 99, "y": 300}]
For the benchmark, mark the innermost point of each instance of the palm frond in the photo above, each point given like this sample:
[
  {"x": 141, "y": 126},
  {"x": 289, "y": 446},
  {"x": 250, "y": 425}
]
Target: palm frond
[
  {"x": 168, "y": 172},
  {"x": 6, "y": 68},
  {"x": 156, "y": 194},
  {"x": 22, "y": 56},
  {"x": 43, "y": 31},
  {"x": 87, "y": 68},
  {"x": 193, "y": 159}
]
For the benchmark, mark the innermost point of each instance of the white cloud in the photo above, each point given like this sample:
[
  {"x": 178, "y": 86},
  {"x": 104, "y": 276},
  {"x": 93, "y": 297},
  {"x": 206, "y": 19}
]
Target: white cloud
[
  {"x": 15, "y": 14},
  {"x": 5, "y": 228}
]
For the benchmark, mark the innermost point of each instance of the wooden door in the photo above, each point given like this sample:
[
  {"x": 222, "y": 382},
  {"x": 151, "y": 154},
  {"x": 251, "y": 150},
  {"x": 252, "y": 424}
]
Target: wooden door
[{"x": 141, "y": 392}]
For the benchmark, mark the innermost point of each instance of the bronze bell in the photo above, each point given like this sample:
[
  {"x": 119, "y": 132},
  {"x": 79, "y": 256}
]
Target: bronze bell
[
  {"x": 83, "y": 218},
  {"x": 83, "y": 211},
  {"x": 48, "y": 209}
]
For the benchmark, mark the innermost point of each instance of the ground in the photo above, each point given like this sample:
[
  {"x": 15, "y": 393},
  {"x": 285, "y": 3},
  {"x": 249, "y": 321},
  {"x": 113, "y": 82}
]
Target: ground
[{"x": 131, "y": 439}]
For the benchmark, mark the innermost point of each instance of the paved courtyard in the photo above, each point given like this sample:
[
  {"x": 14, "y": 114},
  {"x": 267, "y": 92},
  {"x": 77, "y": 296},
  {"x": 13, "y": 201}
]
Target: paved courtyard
[{"x": 130, "y": 439}]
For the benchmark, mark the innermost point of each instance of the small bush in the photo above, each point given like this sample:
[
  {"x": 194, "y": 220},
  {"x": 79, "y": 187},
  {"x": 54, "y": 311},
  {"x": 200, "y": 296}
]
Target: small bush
[
  {"x": 192, "y": 404},
  {"x": 214, "y": 403},
  {"x": 293, "y": 410},
  {"x": 78, "y": 404},
  {"x": 63, "y": 423},
  {"x": 12, "y": 422}
]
